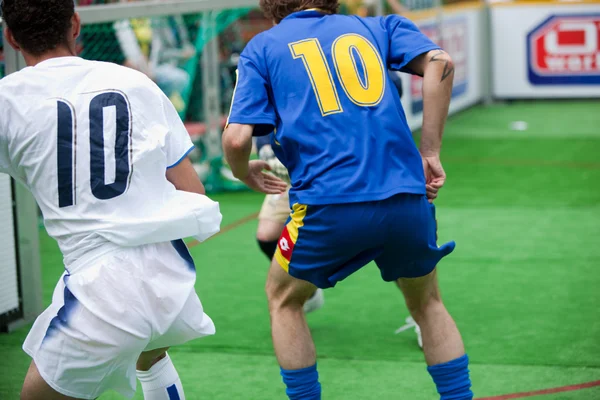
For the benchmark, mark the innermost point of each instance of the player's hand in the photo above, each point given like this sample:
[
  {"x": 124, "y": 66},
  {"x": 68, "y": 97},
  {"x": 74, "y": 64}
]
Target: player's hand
[
  {"x": 261, "y": 181},
  {"x": 435, "y": 177}
]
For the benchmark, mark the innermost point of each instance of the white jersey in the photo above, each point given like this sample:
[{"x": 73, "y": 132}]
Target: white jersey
[{"x": 92, "y": 141}]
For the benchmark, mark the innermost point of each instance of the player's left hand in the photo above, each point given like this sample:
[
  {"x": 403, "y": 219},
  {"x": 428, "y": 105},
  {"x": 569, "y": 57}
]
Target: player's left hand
[
  {"x": 435, "y": 177},
  {"x": 261, "y": 181}
]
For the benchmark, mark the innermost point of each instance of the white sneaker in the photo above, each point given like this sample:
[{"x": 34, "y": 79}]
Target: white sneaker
[
  {"x": 315, "y": 302},
  {"x": 410, "y": 323}
]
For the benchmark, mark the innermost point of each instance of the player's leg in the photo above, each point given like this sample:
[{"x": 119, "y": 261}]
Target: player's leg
[
  {"x": 410, "y": 321},
  {"x": 36, "y": 388},
  {"x": 294, "y": 347},
  {"x": 319, "y": 247},
  {"x": 411, "y": 260},
  {"x": 158, "y": 376},
  {"x": 442, "y": 344},
  {"x": 441, "y": 339},
  {"x": 271, "y": 220}
]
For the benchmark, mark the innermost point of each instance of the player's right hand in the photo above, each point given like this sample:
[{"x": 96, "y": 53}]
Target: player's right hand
[
  {"x": 435, "y": 176},
  {"x": 261, "y": 181}
]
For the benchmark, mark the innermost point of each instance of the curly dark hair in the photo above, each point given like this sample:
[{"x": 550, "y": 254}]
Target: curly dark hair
[
  {"x": 38, "y": 26},
  {"x": 277, "y": 10}
]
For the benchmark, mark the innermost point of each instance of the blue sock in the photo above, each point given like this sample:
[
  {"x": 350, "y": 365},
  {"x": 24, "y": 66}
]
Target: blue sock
[
  {"x": 452, "y": 379},
  {"x": 302, "y": 384}
]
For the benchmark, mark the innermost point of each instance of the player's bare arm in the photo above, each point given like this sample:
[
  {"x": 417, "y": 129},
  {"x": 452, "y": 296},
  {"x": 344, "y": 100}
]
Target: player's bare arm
[
  {"x": 437, "y": 70},
  {"x": 184, "y": 177},
  {"x": 237, "y": 145}
]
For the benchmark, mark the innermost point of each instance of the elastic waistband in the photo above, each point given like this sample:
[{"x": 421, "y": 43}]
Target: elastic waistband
[{"x": 92, "y": 255}]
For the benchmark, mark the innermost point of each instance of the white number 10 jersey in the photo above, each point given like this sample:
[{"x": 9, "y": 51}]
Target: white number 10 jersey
[{"x": 92, "y": 141}]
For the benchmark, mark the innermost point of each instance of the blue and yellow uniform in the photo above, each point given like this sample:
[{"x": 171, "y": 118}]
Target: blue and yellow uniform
[{"x": 358, "y": 188}]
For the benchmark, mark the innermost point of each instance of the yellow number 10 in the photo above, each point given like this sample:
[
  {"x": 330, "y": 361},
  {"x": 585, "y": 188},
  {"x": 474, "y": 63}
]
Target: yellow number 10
[{"x": 347, "y": 51}]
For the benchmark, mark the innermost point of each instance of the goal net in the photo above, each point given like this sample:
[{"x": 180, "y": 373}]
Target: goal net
[{"x": 191, "y": 55}]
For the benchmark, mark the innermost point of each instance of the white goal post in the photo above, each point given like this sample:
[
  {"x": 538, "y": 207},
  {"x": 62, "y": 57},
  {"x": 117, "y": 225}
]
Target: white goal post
[{"x": 20, "y": 272}]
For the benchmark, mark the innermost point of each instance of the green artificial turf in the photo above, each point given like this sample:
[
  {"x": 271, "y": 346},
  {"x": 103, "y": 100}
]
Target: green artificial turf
[{"x": 523, "y": 283}]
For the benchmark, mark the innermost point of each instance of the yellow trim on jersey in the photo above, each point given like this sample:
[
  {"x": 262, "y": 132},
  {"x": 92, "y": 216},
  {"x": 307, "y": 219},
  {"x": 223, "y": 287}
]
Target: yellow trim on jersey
[{"x": 298, "y": 214}]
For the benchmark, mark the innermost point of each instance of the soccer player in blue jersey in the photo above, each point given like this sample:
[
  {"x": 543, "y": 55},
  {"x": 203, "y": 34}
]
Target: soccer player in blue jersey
[{"x": 360, "y": 188}]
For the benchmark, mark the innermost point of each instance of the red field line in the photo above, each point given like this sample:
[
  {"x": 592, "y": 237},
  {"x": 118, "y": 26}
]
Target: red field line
[
  {"x": 560, "y": 389},
  {"x": 227, "y": 228}
]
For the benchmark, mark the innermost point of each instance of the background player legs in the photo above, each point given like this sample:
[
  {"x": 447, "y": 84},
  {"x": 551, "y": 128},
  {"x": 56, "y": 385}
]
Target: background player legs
[
  {"x": 410, "y": 323},
  {"x": 267, "y": 235},
  {"x": 294, "y": 347},
  {"x": 158, "y": 376},
  {"x": 442, "y": 343}
]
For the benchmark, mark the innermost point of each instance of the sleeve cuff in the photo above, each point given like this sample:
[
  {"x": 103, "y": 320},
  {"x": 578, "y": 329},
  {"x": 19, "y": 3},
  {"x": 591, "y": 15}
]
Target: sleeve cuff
[
  {"x": 182, "y": 157},
  {"x": 414, "y": 54},
  {"x": 251, "y": 121},
  {"x": 262, "y": 126}
]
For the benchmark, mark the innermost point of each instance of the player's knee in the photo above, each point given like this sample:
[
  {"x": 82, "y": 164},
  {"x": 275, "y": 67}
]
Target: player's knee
[
  {"x": 281, "y": 296},
  {"x": 148, "y": 359},
  {"x": 424, "y": 306},
  {"x": 268, "y": 232},
  {"x": 274, "y": 291}
]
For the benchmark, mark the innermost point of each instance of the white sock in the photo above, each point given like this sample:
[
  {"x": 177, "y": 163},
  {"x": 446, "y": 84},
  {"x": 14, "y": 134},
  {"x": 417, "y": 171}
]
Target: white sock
[{"x": 161, "y": 381}]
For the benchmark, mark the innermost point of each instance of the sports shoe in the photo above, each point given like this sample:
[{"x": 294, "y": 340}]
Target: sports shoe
[
  {"x": 315, "y": 302},
  {"x": 410, "y": 323}
]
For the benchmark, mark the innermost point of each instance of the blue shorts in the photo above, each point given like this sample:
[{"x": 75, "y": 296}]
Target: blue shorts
[{"x": 325, "y": 244}]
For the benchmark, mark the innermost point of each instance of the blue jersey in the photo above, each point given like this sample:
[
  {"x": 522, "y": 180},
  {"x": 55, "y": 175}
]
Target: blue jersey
[{"x": 321, "y": 82}]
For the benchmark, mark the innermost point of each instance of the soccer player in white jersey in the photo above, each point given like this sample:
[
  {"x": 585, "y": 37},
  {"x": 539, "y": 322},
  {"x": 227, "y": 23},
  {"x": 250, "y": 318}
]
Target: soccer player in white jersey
[{"x": 104, "y": 153}]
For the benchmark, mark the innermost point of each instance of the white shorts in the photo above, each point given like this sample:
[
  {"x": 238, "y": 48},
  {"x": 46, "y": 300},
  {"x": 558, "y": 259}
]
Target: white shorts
[
  {"x": 276, "y": 207},
  {"x": 108, "y": 309}
]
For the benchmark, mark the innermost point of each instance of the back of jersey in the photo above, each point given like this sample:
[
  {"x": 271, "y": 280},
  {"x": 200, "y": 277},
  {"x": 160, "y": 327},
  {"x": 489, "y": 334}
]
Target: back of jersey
[
  {"x": 93, "y": 141},
  {"x": 321, "y": 81}
]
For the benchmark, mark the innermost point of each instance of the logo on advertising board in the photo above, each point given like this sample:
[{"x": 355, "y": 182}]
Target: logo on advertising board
[
  {"x": 565, "y": 50},
  {"x": 455, "y": 42}
]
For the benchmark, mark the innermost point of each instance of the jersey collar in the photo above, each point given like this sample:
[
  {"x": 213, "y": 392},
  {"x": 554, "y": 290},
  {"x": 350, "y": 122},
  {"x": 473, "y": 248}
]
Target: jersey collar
[
  {"x": 308, "y": 13},
  {"x": 60, "y": 61}
]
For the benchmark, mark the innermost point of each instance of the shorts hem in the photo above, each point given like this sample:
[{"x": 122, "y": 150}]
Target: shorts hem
[
  {"x": 282, "y": 261},
  {"x": 403, "y": 276},
  {"x": 53, "y": 385},
  {"x": 62, "y": 391}
]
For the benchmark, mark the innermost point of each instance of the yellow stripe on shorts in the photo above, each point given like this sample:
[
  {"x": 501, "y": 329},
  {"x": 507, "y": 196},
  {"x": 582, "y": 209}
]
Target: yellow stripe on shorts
[{"x": 298, "y": 213}]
